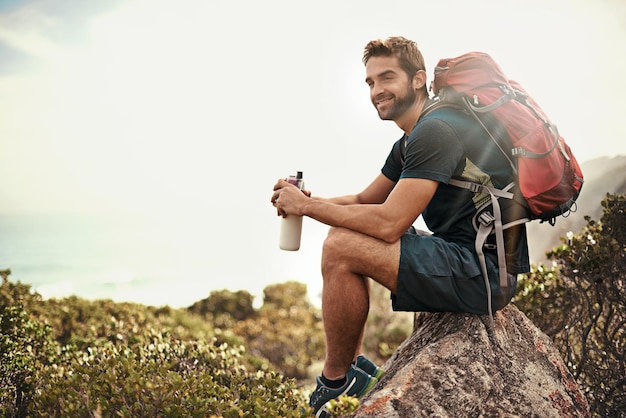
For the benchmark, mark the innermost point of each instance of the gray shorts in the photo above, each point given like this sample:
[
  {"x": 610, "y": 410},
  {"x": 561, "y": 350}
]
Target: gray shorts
[{"x": 440, "y": 276}]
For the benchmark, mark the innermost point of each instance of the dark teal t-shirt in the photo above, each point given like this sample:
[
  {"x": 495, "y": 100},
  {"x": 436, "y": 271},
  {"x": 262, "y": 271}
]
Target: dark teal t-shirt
[{"x": 447, "y": 143}]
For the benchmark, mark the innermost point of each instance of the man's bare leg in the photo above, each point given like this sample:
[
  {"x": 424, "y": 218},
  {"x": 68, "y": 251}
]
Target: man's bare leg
[
  {"x": 348, "y": 259},
  {"x": 359, "y": 344}
]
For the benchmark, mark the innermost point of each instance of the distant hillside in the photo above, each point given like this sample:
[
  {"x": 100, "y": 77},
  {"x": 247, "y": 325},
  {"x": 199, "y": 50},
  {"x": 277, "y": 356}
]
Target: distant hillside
[{"x": 602, "y": 175}]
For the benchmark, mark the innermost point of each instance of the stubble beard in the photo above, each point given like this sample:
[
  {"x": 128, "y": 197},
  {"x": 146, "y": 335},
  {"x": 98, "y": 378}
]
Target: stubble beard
[{"x": 401, "y": 105}]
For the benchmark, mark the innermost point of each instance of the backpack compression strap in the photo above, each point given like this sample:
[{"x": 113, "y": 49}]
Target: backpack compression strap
[{"x": 489, "y": 224}]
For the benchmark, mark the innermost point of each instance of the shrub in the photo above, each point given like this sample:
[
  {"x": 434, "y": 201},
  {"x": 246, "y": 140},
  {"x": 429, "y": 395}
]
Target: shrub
[
  {"x": 580, "y": 302},
  {"x": 287, "y": 330},
  {"x": 26, "y": 347},
  {"x": 162, "y": 376},
  {"x": 129, "y": 360},
  {"x": 236, "y": 304}
]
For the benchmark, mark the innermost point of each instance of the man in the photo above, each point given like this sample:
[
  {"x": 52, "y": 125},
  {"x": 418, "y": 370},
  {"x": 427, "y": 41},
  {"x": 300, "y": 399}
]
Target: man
[{"x": 372, "y": 234}]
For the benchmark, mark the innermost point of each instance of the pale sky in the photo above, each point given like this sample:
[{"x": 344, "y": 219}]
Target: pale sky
[{"x": 194, "y": 108}]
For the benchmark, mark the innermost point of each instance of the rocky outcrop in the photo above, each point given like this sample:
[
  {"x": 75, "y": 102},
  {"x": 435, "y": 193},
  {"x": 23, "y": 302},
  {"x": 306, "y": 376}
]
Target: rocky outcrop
[{"x": 456, "y": 365}]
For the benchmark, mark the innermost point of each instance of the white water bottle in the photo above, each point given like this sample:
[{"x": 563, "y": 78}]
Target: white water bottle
[{"x": 291, "y": 225}]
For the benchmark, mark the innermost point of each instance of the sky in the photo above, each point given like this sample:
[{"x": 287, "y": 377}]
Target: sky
[{"x": 193, "y": 109}]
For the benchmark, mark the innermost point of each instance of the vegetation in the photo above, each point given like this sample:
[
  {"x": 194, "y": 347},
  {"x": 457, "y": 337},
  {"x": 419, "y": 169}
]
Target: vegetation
[
  {"x": 221, "y": 357},
  {"x": 78, "y": 358},
  {"x": 580, "y": 302}
]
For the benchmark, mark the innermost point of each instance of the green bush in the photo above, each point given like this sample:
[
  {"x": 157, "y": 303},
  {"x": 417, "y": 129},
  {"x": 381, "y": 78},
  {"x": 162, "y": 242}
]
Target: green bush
[
  {"x": 287, "y": 330},
  {"x": 25, "y": 349},
  {"x": 580, "y": 302},
  {"x": 77, "y": 358},
  {"x": 162, "y": 376},
  {"x": 236, "y": 304}
]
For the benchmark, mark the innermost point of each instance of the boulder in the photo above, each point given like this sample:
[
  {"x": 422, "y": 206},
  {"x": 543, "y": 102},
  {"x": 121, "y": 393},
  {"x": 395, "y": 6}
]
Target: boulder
[{"x": 457, "y": 365}]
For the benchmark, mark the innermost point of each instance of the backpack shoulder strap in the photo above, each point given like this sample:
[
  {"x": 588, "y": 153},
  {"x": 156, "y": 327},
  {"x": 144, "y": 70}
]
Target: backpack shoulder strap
[{"x": 433, "y": 104}]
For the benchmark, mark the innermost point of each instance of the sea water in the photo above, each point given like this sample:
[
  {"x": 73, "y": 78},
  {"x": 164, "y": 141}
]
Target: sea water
[
  {"x": 125, "y": 258},
  {"x": 170, "y": 260}
]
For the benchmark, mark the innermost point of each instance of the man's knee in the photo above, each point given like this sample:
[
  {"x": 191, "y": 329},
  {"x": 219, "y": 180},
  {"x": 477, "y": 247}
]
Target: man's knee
[
  {"x": 336, "y": 245},
  {"x": 336, "y": 240}
]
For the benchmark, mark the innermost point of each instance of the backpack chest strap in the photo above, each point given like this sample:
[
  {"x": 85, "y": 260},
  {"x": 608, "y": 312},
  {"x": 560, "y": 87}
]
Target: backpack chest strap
[{"x": 478, "y": 188}]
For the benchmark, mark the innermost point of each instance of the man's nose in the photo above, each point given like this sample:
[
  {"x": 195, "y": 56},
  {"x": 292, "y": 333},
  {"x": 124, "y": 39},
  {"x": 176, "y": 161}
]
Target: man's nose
[{"x": 375, "y": 90}]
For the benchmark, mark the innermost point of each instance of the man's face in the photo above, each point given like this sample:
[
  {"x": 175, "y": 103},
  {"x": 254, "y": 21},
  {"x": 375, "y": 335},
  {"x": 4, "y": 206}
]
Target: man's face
[{"x": 391, "y": 91}]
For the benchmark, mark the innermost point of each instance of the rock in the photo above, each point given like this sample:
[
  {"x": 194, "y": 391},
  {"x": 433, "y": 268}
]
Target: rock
[{"x": 455, "y": 365}]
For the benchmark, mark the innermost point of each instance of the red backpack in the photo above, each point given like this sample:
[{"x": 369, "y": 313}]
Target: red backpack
[
  {"x": 547, "y": 173},
  {"x": 549, "y": 176}
]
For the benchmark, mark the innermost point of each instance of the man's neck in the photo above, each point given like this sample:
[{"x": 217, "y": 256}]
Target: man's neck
[{"x": 411, "y": 116}]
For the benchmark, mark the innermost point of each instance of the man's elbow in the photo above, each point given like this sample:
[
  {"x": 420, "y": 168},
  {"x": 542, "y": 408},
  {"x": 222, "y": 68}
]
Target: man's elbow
[{"x": 392, "y": 233}]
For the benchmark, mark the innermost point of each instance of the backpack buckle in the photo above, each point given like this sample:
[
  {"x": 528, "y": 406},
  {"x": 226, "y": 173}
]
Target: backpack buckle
[
  {"x": 518, "y": 151},
  {"x": 486, "y": 218},
  {"x": 474, "y": 187}
]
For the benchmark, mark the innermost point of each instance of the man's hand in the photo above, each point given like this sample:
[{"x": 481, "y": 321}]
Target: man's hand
[{"x": 288, "y": 199}]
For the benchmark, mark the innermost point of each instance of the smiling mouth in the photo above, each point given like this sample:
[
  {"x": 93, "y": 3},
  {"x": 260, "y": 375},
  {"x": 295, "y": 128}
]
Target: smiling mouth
[{"x": 384, "y": 101}]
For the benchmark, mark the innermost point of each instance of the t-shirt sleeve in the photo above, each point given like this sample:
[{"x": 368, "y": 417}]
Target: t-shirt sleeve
[
  {"x": 393, "y": 165},
  {"x": 433, "y": 151}
]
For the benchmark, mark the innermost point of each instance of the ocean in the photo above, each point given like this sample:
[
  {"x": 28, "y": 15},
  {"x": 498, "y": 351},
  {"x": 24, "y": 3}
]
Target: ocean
[
  {"x": 160, "y": 261},
  {"x": 87, "y": 255}
]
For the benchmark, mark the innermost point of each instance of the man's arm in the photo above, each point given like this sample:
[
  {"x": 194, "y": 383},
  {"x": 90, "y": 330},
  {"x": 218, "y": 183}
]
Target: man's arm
[
  {"x": 376, "y": 192},
  {"x": 386, "y": 220}
]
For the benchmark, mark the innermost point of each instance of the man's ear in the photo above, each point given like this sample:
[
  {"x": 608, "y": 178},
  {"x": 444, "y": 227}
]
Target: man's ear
[{"x": 419, "y": 79}]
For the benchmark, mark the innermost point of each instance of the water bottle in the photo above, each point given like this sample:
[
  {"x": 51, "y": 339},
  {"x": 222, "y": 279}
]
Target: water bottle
[{"x": 291, "y": 225}]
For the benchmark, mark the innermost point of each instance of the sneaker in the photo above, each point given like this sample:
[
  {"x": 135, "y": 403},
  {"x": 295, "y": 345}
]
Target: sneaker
[
  {"x": 369, "y": 367},
  {"x": 358, "y": 384}
]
